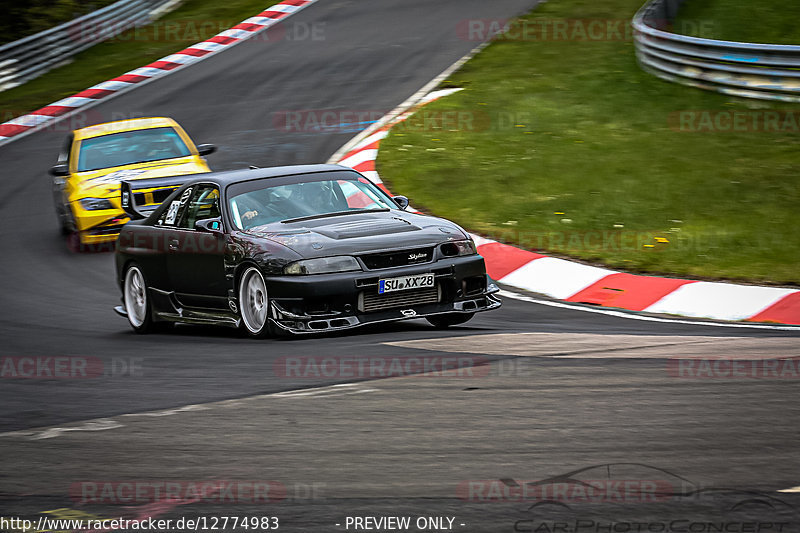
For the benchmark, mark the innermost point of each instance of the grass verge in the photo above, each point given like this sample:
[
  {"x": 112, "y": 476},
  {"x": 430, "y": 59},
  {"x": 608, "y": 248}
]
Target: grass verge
[
  {"x": 565, "y": 145},
  {"x": 193, "y": 21},
  {"x": 765, "y": 21},
  {"x": 21, "y": 19}
]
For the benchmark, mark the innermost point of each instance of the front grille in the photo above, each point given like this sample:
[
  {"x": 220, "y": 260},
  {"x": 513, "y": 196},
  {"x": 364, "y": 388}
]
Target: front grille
[
  {"x": 159, "y": 196},
  {"x": 105, "y": 230},
  {"x": 400, "y": 258},
  {"x": 162, "y": 194},
  {"x": 372, "y": 301}
]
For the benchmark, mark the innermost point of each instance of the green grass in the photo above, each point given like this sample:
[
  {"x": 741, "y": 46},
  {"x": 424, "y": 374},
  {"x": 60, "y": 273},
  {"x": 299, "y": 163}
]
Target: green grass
[
  {"x": 762, "y": 21},
  {"x": 193, "y": 21},
  {"x": 21, "y": 19},
  {"x": 581, "y": 142}
]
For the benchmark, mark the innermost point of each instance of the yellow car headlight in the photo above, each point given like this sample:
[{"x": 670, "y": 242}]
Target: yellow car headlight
[{"x": 95, "y": 204}]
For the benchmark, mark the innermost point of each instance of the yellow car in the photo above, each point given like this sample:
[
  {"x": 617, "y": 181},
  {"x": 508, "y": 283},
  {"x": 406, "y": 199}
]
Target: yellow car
[{"x": 154, "y": 154}]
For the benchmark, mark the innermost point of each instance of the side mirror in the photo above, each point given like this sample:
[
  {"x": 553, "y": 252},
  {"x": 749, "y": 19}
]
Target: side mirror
[
  {"x": 206, "y": 149},
  {"x": 401, "y": 201},
  {"x": 60, "y": 169},
  {"x": 209, "y": 225}
]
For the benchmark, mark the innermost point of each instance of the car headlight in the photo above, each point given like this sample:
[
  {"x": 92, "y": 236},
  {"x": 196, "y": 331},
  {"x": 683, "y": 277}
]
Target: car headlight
[
  {"x": 95, "y": 204},
  {"x": 323, "y": 265},
  {"x": 458, "y": 248}
]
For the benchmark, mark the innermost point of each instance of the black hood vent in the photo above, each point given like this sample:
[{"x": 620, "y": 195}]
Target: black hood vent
[{"x": 366, "y": 228}]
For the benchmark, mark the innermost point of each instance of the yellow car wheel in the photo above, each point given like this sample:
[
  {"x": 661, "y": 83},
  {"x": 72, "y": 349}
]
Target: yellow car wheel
[{"x": 75, "y": 244}]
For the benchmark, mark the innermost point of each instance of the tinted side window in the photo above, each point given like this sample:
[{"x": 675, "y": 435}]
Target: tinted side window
[
  {"x": 173, "y": 213},
  {"x": 204, "y": 203}
]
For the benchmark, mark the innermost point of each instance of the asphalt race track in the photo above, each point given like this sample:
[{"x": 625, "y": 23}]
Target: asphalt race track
[{"x": 554, "y": 390}]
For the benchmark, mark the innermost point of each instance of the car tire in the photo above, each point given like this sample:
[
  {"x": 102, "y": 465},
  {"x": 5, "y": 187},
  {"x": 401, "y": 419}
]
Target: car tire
[
  {"x": 449, "y": 319},
  {"x": 64, "y": 225},
  {"x": 75, "y": 244},
  {"x": 136, "y": 301},
  {"x": 63, "y": 213},
  {"x": 254, "y": 304}
]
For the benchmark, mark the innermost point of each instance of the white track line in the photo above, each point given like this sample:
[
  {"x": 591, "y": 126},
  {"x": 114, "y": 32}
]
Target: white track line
[
  {"x": 334, "y": 390},
  {"x": 631, "y": 316},
  {"x": 102, "y": 424}
]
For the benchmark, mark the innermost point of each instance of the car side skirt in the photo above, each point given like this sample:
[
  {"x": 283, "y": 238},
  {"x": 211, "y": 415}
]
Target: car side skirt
[{"x": 286, "y": 322}]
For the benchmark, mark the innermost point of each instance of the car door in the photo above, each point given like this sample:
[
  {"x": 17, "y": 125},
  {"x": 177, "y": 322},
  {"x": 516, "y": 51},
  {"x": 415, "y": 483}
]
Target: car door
[
  {"x": 151, "y": 243},
  {"x": 196, "y": 258}
]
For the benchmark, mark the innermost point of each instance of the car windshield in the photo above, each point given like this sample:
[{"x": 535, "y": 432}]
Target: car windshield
[
  {"x": 308, "y": 199},
  {"x": 128, "y": 147}
]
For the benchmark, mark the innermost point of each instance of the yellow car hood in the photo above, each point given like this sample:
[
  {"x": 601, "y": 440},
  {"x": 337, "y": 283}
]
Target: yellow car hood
[{"x": 100, "y": 183}]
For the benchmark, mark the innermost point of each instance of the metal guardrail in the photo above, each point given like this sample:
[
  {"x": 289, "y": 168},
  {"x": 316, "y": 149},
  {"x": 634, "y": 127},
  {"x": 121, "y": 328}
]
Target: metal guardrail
[
  {"x": 750, "y": 70},
  {"x": 32, "y": 56}
]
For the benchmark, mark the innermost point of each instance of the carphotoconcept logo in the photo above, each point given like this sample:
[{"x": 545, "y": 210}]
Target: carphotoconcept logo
[{"x": 567, "y": 503}]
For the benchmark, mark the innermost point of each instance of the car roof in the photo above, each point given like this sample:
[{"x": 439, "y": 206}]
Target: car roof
[
  {"x": 229, "y": 177},
  {"x": 226, "y": 178},
  {"x": 123, "y": 125}
]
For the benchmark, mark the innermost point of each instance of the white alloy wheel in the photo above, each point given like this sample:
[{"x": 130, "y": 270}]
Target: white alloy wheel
[
  {"x": 253, "y": 301},
  {"x": 136, "y": 298}
]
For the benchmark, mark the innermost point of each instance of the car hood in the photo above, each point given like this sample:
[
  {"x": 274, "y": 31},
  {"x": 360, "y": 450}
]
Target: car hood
[
  {"x": 100, "y": 183},
  {"x": 360, "y": 233}
]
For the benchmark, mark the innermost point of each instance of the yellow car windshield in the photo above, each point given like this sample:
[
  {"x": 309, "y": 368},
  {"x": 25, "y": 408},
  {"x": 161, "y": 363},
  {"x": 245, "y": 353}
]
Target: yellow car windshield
[{"x": 130, "y": 147}]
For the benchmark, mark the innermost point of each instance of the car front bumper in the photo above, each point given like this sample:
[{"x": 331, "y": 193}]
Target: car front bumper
[{"x": 330, "y": 302}]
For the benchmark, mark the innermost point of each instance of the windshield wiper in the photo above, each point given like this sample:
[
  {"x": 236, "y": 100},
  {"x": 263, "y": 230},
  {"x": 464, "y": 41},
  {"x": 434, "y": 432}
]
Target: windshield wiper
[{"x": 335, "y": 214}]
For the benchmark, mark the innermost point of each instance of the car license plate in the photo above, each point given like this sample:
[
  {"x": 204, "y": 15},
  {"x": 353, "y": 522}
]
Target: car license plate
[{"x": 420, "y": 281}]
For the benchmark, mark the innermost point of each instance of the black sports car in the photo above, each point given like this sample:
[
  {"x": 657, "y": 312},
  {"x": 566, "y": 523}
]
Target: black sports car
[{"x": 300, "y": 249}]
